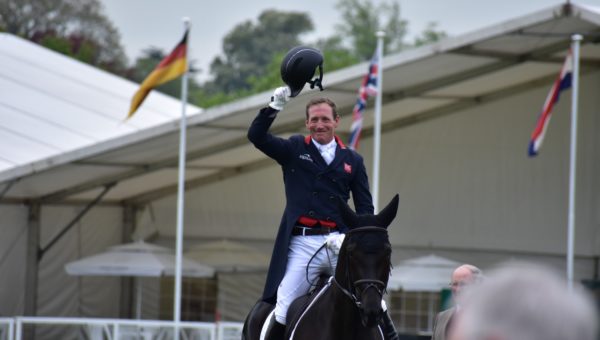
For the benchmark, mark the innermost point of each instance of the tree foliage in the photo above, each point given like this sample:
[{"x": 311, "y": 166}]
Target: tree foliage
[
  {"x": 429, "y": 35},
  {"x": 249, "y": 48},
  {"x": 252, "y": 50},
  {"x": 77, "y": 28},
  {"x": 361, "y": 19}
]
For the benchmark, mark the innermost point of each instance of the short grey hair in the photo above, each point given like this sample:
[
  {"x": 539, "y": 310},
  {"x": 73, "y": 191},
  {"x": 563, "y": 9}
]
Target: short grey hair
[
  {"x": 476, "y": 273},
  {"x": 524, "y": 301}
]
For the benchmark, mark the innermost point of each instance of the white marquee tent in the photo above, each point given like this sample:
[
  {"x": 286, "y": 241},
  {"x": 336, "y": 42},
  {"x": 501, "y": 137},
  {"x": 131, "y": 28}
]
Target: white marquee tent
[{"x": 457, "y": 116}]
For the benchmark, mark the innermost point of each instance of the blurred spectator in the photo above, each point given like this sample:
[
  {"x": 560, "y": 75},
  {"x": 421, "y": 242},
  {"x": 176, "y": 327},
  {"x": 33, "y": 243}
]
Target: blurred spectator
[
  {"x": 462, "y": 277},
  {"x": 526, "y": 302}
]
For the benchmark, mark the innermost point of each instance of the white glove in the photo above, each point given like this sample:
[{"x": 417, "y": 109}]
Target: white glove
[
  {"x": 334, "y": 242},
  {"x": 280, "y": 97}
]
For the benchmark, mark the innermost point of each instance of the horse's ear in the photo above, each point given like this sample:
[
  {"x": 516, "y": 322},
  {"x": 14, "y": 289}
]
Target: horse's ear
[
  {"x": 349, "y": 217},
  {"x": 387, "y": 215}
]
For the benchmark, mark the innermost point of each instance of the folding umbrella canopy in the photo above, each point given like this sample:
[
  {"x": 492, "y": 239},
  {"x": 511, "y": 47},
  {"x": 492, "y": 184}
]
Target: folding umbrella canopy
[
  {"x": 429, "y": 273},
  {"x": 138, "y": 259},
  {"x": 229, "y": 256}
]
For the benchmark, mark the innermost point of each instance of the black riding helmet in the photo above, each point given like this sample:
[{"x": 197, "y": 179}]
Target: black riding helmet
[{"x": 298, "y": 67}]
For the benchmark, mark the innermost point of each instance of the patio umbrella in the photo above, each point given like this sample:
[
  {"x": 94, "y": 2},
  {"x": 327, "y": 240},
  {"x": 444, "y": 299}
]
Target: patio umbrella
[
  {"x": 137, "y": 259},
  {"x": 429, "y": 273}
]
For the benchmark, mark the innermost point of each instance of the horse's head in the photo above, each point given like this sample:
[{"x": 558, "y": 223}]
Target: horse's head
[{"x": 364, "y": 261}]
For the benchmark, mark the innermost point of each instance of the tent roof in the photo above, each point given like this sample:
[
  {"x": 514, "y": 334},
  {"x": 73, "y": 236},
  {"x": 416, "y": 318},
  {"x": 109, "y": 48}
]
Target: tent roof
[
  {"x": 141, "y": 155},
  {"x": 57, "y": 110}
]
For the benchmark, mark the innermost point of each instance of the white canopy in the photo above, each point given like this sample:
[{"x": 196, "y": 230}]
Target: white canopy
[
  {"x": 429, "y": 273},
  {"x": 136, "y": 259}
]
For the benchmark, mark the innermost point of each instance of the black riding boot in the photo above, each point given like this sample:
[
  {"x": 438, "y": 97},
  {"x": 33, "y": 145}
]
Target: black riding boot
[
  {"x": 275, "y": 331},
  {"x": 387, "y": 326}
]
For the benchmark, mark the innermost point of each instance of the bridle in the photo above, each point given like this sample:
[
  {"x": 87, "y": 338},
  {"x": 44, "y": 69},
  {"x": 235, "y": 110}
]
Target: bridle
[{"x": 354, "y": 292}]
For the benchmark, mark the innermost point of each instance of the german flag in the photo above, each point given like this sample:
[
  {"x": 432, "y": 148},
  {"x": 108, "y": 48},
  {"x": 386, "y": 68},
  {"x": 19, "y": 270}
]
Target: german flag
[{"x": 171, "y": 67}]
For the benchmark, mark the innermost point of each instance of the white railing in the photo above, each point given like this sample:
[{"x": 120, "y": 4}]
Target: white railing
[
  {"x": 122, "y": 329},
  {"x": 7, "y": 328},
  {"x": 229, "y": 330}
]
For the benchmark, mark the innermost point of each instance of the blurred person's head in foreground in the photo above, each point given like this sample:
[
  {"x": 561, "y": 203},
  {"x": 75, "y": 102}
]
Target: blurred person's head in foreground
[{"x": 526, "y": 302}]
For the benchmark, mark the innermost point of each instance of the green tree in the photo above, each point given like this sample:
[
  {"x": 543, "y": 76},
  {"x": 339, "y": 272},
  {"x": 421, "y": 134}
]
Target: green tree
[
  {"x": 79, "y": 23},
  {"x": 250, "y": 47},
  {"x": 362, "y": 19},
  {"x": 335, "y": 55},
  {"x": 429, "y": 35},
  {"x": 253, "y": 52}
]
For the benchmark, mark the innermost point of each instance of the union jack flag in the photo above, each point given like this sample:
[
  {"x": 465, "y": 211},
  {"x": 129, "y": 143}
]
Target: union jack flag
[
  {"x": 562, "y": 82},
  {"x": 368, "y": 88}
]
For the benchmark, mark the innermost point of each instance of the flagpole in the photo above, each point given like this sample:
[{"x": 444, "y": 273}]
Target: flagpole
[
  {"x": 180, "y": 192},
  {"x": 377, "y": 128},
  {"x": 576, "y": 41}
]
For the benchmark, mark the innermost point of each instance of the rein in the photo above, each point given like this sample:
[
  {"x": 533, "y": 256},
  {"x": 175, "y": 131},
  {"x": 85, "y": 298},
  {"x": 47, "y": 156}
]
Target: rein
[{"x": 312, "y": 258}]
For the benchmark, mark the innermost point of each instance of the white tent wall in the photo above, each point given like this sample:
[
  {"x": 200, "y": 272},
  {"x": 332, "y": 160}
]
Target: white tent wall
[
  {"x": 248, "y": 206},
  {"x": 150, "y": 298},
  {"x": 60, "y": 294},
  {"x": 13, "y": 247},
  {"x": 511, "y": 206},
  {"x": 237, "y": 293},
  {"x": 465, "y": 180}
]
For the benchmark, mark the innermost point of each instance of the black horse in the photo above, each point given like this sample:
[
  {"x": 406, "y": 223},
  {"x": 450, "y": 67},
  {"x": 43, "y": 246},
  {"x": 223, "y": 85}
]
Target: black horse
[{"x": 348, "y": 306}]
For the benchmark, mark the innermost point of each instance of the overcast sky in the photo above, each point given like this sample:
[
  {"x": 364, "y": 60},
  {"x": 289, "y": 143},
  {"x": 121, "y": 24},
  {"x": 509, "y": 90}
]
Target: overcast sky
[{"x": 145, "y": 23}]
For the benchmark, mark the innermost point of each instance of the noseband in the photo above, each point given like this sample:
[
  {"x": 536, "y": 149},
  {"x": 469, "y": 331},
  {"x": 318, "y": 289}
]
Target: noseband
[{"x": 354, "y": 292}]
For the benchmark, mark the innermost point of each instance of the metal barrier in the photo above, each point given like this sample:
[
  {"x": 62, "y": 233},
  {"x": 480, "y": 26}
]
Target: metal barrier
[
  {"x": 229, "y": 330},
  {"x": 7, "y": 328},
  {"x": 121, "y": 329}
]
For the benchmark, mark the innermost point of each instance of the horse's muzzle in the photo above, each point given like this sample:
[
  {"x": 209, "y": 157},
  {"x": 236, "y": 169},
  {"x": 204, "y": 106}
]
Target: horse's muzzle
[{"x": 372, "y": 318}]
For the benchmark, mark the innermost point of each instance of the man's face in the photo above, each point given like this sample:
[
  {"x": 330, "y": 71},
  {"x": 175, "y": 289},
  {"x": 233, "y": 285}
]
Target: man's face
[
  {"x": 461, "y": 278},
  {"x": 321, "y": 123}
]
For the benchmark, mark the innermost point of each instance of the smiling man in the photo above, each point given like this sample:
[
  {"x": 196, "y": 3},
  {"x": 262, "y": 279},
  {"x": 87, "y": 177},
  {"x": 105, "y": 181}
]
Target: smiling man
[{"x": 317, "y": 169}]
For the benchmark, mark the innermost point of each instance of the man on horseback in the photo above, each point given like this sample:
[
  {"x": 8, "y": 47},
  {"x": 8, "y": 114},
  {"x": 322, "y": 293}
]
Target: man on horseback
[{"x": 317, "y": 169}]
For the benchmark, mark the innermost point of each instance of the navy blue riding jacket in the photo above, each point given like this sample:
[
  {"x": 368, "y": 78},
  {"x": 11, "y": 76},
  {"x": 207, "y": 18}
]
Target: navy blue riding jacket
[{"x": 311, "y": 186}]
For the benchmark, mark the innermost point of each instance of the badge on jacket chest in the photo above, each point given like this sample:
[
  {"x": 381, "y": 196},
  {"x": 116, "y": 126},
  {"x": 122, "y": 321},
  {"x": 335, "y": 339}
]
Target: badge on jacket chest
[
  {"x": 347, "y": 168},
  {"x": 305, "y": 157}
]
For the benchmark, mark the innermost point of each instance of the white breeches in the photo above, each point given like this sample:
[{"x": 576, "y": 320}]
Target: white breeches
[{"x": 295, "y": 283}]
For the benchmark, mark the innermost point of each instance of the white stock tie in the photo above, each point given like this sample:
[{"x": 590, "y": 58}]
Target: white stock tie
[{"x": 328, "y": 153}]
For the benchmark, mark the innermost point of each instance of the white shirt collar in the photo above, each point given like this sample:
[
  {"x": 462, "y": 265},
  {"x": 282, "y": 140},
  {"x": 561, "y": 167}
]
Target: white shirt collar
[{"x": 328, "y": 146}]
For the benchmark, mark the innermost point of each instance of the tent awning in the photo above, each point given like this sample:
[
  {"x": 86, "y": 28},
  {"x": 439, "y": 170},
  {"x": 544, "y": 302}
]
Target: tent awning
[{"x": 418, "y": 85}]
